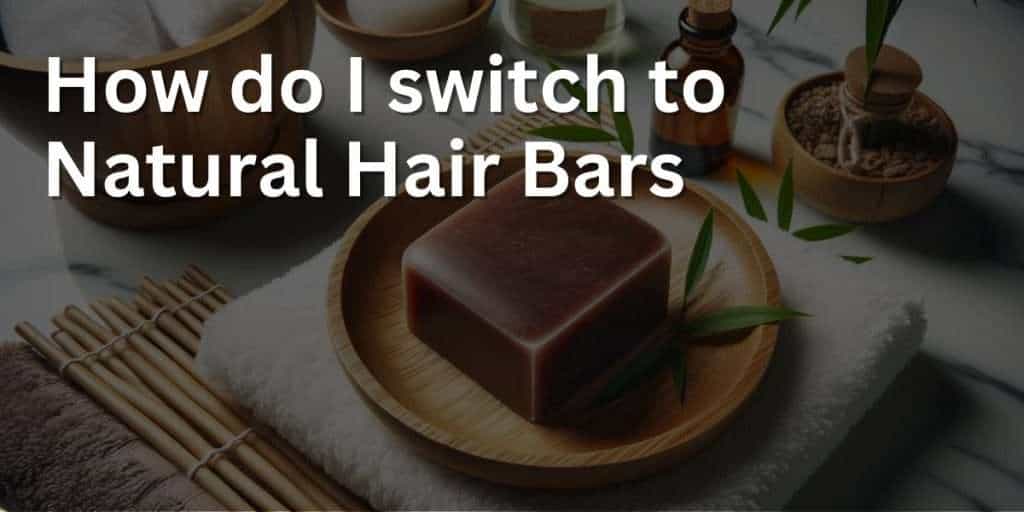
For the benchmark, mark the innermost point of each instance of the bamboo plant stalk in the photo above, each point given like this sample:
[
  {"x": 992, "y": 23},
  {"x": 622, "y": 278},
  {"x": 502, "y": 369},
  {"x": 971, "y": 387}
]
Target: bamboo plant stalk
[{"x": 147, "y": 428}]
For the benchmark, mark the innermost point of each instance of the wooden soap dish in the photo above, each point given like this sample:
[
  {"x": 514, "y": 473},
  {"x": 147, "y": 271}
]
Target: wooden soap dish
[
  {"x": 454, "y": 422},
  {"x": 412, "y": 47}
]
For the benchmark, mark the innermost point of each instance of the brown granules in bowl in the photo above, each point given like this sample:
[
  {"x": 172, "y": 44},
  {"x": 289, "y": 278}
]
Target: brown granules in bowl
[{"x": 912, "y": 144}]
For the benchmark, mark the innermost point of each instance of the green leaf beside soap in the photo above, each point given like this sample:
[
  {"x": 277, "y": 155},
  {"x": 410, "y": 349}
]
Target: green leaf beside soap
[
  {"x": 737, "y": 319},
  {"x": 700, "y": 255}
]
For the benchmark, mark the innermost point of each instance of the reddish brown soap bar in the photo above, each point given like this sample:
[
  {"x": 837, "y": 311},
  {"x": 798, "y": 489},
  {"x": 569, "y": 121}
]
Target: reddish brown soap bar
[{"x": 536, "y": 298}]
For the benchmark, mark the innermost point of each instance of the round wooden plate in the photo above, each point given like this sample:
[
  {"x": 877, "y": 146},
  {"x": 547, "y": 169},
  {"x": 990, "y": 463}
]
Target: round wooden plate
[{"x": 451, "y": 420}]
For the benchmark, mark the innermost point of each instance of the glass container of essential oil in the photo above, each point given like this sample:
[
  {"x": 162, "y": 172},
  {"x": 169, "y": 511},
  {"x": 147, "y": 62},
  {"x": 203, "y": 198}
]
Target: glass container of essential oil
[
  {"x": 566, "y": 27},
  {"x": 703, "y": 141}
]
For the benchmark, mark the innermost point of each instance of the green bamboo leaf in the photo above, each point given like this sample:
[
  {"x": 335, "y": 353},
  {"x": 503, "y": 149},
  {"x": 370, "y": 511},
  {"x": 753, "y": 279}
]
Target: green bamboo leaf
[
  {"x": 624, "y": 126},
  {"x": 573, "y": 133},
  {"x": 880, "y": 14},
  {"x": 878, "y": 11},
  {"x": 786, "y": 199},
  {"x": 679, "y": 370},
  {"x": 858, "y": 260},
  {"x": 750, "y": 200},
  {"x": 575, "y": 90},
  {"x": 824, "y": 232},
  {"x": 738, "y": 319},
  {"x": 784, "y": 7},
  {"x": 700, "y": 255},
  {"x": 642, "y": 368},
  {"x": 804, "y": 4}
]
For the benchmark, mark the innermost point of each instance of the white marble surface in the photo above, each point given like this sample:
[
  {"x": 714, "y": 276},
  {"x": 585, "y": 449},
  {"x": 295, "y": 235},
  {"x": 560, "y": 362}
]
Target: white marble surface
[{"x": 952, "y": 435}]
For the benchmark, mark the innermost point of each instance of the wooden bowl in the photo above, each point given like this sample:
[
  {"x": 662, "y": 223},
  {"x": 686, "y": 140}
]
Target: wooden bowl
[
  {"x": 451, "y": 420},
  {"x": 284, "y": 28},
  {"x": 411, "y": 47},
  {"x": 851, "y": 198}
]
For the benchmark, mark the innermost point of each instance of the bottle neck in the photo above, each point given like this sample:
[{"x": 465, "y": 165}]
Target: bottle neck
[
  {"x": 704, "y": 47},
  {"x": 707, "y": 37}
]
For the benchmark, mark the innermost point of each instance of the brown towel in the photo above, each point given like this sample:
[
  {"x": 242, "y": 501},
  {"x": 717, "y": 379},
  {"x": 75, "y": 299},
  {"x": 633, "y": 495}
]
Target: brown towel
[{"x": 61, "y": 451}]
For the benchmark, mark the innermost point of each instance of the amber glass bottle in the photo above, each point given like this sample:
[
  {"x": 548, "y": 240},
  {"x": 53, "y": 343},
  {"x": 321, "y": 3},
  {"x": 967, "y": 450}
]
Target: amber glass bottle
[{"x": 702, "y": 140}]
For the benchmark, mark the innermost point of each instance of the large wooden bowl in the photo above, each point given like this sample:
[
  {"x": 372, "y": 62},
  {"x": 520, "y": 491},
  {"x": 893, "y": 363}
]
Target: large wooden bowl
[
  {"x": 842, "y": 195},
  {"x": 454, "y": 422},
  {"x": 284, "y": 28},
  {"x": 412, "y": 47}
]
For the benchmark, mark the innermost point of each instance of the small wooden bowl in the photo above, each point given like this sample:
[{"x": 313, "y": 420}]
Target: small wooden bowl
[
  {"x": 851, "y": 198},
  {"x": 454, "y": 422},
  {"x": 284, "y": 28},
  {"x": 412, "y": 47}
]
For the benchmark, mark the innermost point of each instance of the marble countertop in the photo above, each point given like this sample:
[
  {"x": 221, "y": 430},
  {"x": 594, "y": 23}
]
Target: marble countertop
[{"x": 950, "y": 434}]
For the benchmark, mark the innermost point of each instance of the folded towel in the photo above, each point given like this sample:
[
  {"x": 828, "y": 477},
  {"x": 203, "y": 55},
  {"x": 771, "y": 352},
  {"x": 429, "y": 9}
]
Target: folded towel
[
  {"x": 826, "y": 373},
  {"x": 113, "y": 28},
  {"x": 79, "y": 28},
  {"x": 63, "y": 452}
]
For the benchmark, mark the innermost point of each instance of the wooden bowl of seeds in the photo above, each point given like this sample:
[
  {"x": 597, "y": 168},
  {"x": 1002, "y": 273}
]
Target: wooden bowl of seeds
[{"x": 905, "y": 162}]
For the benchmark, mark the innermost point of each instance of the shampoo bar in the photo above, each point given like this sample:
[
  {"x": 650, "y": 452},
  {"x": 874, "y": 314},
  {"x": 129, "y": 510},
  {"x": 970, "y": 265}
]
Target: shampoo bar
[{"x": 535, "y": 299}]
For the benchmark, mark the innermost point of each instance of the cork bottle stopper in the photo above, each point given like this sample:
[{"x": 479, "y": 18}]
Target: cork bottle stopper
[
  {"x": 896, "y": 79},
  {"x": 710, "y": 14}
]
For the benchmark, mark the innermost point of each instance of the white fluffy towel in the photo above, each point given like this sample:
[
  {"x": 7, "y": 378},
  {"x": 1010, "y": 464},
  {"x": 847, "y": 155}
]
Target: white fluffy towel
[
  {"x": 113, "y": 29},
  {"x": 271, "y": 351}
]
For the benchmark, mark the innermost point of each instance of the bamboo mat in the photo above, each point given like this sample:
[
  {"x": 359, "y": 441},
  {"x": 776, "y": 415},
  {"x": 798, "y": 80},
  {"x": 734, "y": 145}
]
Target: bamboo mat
[{"x": 135, "y": 358}]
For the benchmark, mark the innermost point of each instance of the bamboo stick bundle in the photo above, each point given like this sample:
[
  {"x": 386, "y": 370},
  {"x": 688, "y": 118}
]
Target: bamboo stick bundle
[
  {"x": 193, "y": 290},
  {"x": 169, "y": 383},
  {"x": 317, "y": 490},
  {"x": 114, "y": 309},
  {"x": 115, "y": 364},
  {"x": 186, "y": 338},
  {"x": 169, "y": 420},
  {"x": 116, "y": 403},
  {"x": 203, "y": 280},
  {"x": 150, "y": 288},
  {"x": 137, "y": 361},
  {"x": 192, "y": 304}
]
